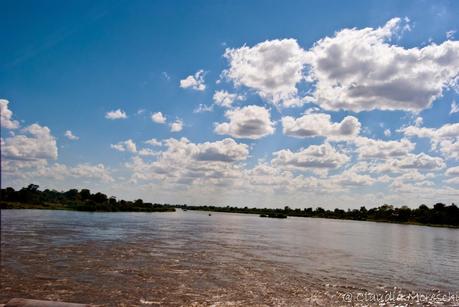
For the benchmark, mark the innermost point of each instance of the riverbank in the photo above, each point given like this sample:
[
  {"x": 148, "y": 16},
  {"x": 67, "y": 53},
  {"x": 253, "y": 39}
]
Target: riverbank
[
  {"x": 423, "y": 216},
  {"x": 30, "y": 197},
  {"x": 83, "y": 207}
]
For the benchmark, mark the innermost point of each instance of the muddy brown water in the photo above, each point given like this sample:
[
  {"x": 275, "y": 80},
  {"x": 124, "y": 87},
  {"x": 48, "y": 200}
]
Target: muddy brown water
[{"x": 192, "y": 259}]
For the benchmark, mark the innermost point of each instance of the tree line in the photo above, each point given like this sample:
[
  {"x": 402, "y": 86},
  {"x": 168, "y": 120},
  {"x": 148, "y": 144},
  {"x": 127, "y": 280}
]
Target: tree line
[
  {"x": 31, "y": 197},
  {"x": 439, "y": 215}
]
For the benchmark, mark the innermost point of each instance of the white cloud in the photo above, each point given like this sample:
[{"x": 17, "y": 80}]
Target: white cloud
[
  {"x": 419, "y": 121},
  {"x": 387, "y": 132},
  {"x": 271, "y": 68},
  {"x": 420, "y": 162},
  {"x": 127, "y": 145},
  {"x": 445, "y": 138},
  {"x": 358, "y": 69},
  {"x": 224, "y": 99},
  {"x": 117, "y": 114},
  {"x": 23, "y": 154},
  {"x": 453, "y": 181},
  {"x": 69, "y": 134},
  {"x": 454, "y": 107},
  {"x": 85, "y": 170},
  {"x": 452, "y": 171},
  {"x": 147, "y": 152},
  {"x": 153, "y": 142},
  {"x": 315, "y": 156},
  {"x": 351, "y": 178},
  {"x": 158, "y": 118},
  {"x": 414, "y": 176},
  {"x": 226, "y": 150},
  {"x": 450, "y": 148},
  {"x": 319, "y": 124},
  {"x": 379, "y": 149},
  {"x": 131, "y": 147},
  {"x": 176, "y": 126},
  {"x": 6, "y": 116},
  {"x": 203, "y": 108},
  {"x": 195, "y": 81},
  {"x": 184, "y": 162},
  {"x": 36, "y": 143},
  {"x": 57, "y": 171},
  {"x": 250, "y": 122}
]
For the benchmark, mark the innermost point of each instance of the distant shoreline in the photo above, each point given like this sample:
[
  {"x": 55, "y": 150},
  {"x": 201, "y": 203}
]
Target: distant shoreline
[
  {"x": 62, "y": 207},
  {"x": 30, "y": 197},
  {"x": 21, "y": 206},
  {"x": 327, "y": 214}
]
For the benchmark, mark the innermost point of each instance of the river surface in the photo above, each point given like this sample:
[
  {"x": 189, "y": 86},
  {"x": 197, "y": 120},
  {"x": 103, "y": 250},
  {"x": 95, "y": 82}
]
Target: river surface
[{"x": 193, "y": 259}]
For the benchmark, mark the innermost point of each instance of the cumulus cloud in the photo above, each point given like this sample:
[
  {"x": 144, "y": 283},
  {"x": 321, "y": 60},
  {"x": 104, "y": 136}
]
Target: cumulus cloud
[
  {"x": 450, "y": 148},
  {"x": 250, "y": 122},
  {"x": 116, "y": 114},
  {"x": 158, "y": 118},
  {"x": 153, "y": 142},
  {"x": 359, "y": 69},
  {"x": 147, "y": 152},
  {"x": 57, "y": 171},
  {"x": 6, "y": 116},
  {"x": 86, "y": 170},
  {"x": 26, "y": 150},
  {"x": 315, "y": 156},
  {"x": 131, "y": 147},
  {"x": 320, "y": 124},
  {"x": 444, "y": 138},
  {"x": 226, "y": 150},
  {"x": 266, "y": 175},
  {"x": 356, "y": 69},
  {"x": 69, "y": 134},
  {"x": 195, "y": 81},
  {"x": 176, "y": 126},
  {"x": 379, "y": 149},
  {"x": 350, "y": 178},
  {"x": 420, "y": 162},
  {"x": 452, "y": 171},
  {"x": 224, "y": 99},
  {"x": 184, "y": 162},
  {"x": 127, "y": 145},
  {"x": 37, "y": 143},
  {"x": 271, "y": 68},
  {"x": 453, "y": 181}
]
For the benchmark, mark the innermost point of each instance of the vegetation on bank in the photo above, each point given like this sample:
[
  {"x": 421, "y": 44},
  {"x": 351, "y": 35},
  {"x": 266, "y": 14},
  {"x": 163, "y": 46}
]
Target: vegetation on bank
[
  {"x": 32, "y": 198},
  {"x": 439, "y": 215}
]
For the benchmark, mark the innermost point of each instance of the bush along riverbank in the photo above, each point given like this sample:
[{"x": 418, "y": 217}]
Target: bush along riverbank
[{"x": 31, "y": 197}]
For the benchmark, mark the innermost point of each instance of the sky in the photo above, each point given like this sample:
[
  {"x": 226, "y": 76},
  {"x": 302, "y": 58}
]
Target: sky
[{"x": 241, "y": 103}]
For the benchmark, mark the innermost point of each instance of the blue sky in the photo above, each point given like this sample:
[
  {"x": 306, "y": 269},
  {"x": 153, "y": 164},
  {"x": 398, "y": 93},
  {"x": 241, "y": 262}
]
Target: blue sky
[{"x": 317, "y": 103}]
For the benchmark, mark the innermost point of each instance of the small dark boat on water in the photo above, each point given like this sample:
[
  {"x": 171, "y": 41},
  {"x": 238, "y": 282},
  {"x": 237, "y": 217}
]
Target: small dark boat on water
[{"x": 275, "y": 215}]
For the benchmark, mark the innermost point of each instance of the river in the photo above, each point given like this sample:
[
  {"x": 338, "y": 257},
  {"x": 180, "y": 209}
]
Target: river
[{"x": 193, "y": 259}]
